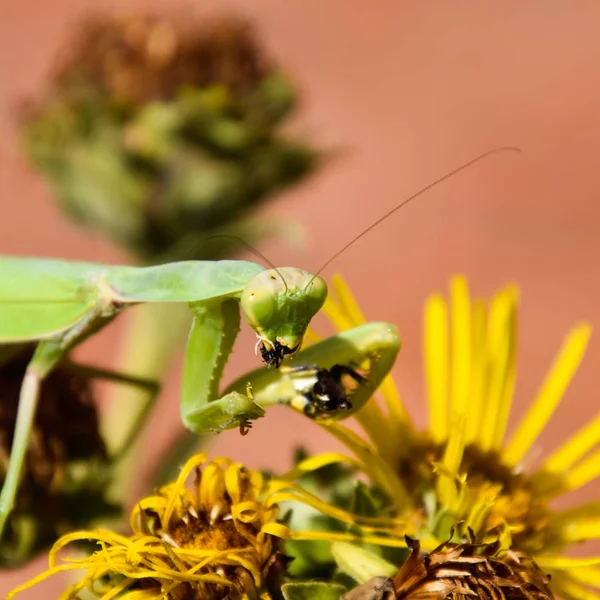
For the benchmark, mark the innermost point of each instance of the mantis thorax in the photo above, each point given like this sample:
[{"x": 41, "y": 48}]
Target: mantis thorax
[{"x": 279, "y": 304}]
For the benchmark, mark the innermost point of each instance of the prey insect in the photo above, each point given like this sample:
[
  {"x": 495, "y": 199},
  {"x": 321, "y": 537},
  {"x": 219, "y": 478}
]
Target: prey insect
[
  {"x": 321, "y": 392},
  {"x": 334, "y": 378},
  {"x": 58, "y": 304}
]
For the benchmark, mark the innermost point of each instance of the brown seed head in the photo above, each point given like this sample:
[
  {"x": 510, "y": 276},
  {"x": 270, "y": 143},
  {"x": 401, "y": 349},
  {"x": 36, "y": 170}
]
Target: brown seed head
[
  {"x": 470, "y": 570},
  {"x": 138, "y": 57}
]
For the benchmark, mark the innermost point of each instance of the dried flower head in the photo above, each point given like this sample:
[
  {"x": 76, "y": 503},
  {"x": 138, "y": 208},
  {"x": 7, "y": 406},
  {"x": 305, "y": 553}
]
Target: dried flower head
[
  {"x": 136, "y": 58},
  {"x": 163, "y": 133},
  {"x": 477, "y": 477},
  {"x": 457, "y": 571},
  {"x": 215, "y": 539},
  {"x": 66, "y": 466}
]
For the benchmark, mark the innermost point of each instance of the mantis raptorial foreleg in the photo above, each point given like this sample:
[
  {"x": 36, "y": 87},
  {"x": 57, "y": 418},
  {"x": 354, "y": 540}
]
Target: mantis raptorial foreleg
[
  {"x": 371, "y": 348},
  {"x": 211, "y": 339}
]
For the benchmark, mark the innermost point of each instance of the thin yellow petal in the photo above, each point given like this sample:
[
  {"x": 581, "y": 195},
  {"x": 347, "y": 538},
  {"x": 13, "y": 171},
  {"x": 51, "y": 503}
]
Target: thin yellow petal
[
  {"x": 365, "y": 539},
  {"x": 347, "y": 302},
  {"x": 311, "y": 337},
  {"x": 400, "y": 421},
  {"x": 582, "y": 473},
  {"x": 568, "y": 590},
  {"x": 588, "y": 510},
  {"x": 574, "y": 448},
  {"x": 189, "y": 466},
  {"x": 338, "y": 319},
  {"x": 586, "y": 576},
  {"x": 499, "y": 357},
  {"x": 39, "y": 578},
  {"x": 510, "y": 369},
  {"x": 579, "y": 531},
  {"x": 280, "y": 491},
  {"x": 319, "y": 461},
  {"x": 377, "y": 469},
  {"x": 477, "y": 397},
  {"x": 566, "y": 562},
  {"x": 117, "y": 589},
  {"x": 460, "y": 354},
  {"x": 377, "y": 428},
  {"x": 446, "y": 486},
  {"x": 551, "y": 393},
  {"x": 436, "y": 365}
]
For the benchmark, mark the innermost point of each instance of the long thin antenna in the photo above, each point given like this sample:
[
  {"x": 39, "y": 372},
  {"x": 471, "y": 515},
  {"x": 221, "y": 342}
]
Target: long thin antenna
[
  {"x": 253, "y": 250},
  {"x": 411, "y": 198}
]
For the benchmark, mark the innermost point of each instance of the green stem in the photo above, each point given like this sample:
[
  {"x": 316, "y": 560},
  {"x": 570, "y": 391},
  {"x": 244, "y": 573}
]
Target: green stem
[{"x": 154, "y": 333}]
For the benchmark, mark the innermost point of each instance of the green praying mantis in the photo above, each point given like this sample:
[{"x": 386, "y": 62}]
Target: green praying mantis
[{"x": 58, "y": 304}]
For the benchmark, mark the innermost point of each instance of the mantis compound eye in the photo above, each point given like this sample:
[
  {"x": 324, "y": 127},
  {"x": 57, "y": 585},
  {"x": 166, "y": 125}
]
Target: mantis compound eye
[{"x": 259, "y": 305}]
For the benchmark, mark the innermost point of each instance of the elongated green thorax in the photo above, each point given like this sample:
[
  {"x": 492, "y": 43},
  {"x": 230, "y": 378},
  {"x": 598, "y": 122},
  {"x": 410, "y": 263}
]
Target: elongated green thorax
[{"x": 279, "y": 304}]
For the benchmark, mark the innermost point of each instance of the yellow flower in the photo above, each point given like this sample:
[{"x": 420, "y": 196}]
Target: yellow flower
[
  {"x": 477, "y": 475},
  {"x": 217, "y": 539}
]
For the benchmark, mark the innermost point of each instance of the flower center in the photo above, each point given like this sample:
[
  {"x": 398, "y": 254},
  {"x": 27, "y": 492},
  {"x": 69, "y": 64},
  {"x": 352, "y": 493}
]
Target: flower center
[{"x": 518, "y": 503}]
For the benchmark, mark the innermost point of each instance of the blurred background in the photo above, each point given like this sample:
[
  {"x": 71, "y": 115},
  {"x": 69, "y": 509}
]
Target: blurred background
[{"x": 397, "y": 94}]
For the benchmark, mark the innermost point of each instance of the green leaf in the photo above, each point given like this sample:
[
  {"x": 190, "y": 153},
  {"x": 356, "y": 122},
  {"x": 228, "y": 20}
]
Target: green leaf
[
  {"x": 314, "y": 590},
  {"x": 363, "y": 502},
  {"x": 359, "y": 563}
]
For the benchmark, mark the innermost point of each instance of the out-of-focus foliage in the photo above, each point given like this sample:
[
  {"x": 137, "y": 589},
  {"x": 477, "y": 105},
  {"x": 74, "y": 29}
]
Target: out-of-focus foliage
[{"x": 163, "y": 132}]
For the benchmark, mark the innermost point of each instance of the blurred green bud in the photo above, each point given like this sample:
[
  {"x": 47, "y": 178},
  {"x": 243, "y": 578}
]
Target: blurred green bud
[{"x": 155, "y": 129}]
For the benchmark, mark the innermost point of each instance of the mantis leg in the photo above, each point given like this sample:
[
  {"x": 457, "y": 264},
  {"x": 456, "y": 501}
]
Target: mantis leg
[
  {"x": 45, "y": 357},
  {"x": 376, "y": 343},
  {"x": 210, "y": 342}
]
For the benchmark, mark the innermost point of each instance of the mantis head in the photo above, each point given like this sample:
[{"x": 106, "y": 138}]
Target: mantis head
[{"x": 279, "y": 304}]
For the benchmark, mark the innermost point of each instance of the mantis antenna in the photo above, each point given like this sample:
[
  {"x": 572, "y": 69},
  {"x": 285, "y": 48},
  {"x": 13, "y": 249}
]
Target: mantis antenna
[
  {"x": 411, "y": 198},
  {"x": 254, "y": 251}
]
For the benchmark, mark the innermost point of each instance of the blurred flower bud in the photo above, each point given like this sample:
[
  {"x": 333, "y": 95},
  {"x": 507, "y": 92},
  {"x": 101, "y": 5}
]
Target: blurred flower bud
[{"x": 156, "y": 129}]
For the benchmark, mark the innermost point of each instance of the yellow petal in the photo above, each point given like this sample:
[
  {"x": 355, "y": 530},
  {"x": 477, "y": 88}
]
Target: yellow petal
[
  {"x": 436, "y": 365},
  {"x": 460, "y": 354},
  {"x": 581, "y": 530},
  {"x": 453, "y": 454},
  {"x": 566, "y": 562},
  {"x": 588, "y": 510},
  {"x": 499, "y": 357},
  {"x": 339, "y": 320},
  {"x": 347, "y": 302},
  {"x": 564, "y": 587},
  {"x": 506, "y": 389},
  {"x": 574, "y": 448},
  {"x": 39, "y": 578},
  {"x": 377, "y": 469},
  {"x": 399, "y": 419},
  {"x": 583, "y": 472},
  {"x": 477, "y": 391},
  {"x": 550, "y": 394}
]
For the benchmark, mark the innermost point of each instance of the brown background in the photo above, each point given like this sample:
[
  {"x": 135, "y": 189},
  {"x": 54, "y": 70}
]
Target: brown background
[{"x": 406, "y": 91}]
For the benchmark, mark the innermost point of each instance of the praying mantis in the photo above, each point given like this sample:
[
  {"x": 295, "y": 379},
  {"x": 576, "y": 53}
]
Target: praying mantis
[{"x": 58, "y": 304}]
